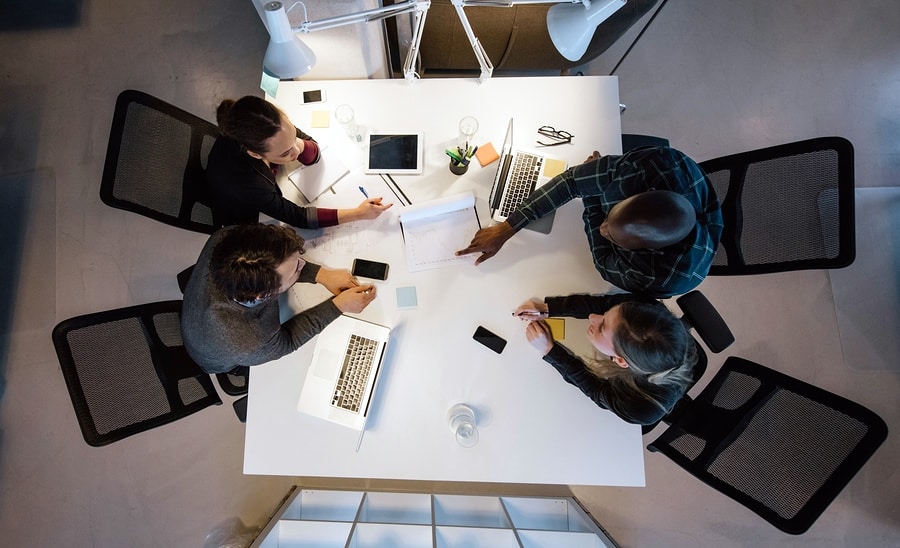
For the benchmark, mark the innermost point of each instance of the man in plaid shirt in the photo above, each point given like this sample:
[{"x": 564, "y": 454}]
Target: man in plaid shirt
[{"x": 651, "y": 216}]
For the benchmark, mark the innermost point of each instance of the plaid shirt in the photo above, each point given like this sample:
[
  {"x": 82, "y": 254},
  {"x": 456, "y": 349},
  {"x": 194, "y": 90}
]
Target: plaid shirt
[{"x": 603, "y": 183}]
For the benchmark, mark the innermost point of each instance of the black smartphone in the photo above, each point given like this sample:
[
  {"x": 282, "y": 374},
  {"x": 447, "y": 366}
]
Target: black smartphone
[
  {"x": 369, "y": 269},
  {"x": 490, "y": 340},
  {"x": 313, "y": 96}
]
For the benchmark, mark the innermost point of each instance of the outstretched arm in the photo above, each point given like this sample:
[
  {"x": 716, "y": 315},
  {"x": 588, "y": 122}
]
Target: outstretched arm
[{"x": 488, "y": 241}]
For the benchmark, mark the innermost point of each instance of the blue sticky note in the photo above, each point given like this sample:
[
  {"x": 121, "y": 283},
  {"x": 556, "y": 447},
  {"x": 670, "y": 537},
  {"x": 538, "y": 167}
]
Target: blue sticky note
[
  {"x": 269, "y": 84},
  {"x": 406, "y": 297}
]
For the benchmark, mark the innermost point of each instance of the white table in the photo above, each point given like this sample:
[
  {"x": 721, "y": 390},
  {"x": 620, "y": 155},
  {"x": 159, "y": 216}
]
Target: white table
[{"x": 534, "y": 427}]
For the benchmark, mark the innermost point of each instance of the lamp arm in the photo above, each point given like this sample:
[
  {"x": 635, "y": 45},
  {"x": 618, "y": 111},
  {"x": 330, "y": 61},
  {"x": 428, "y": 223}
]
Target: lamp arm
[
  {"x": 510, "y": 3},
  {"x": 366, "y": 16},
  {"x": 487, "y": 68}
]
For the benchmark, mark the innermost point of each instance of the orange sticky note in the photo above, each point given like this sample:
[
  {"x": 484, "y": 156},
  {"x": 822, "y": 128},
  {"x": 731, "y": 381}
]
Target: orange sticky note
[{"x": 486, "y": 154}]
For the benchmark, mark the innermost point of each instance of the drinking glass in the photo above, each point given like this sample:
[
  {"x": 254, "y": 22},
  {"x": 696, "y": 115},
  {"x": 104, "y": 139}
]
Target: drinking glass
[
  {"x": 346, "y": 117},
  {"x": 462, "y": 422}
]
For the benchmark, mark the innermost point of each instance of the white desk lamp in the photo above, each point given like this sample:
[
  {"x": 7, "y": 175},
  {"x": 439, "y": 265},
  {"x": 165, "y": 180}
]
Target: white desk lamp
[
  {"x": 288, "y": 57},
  {"x": 570, "y": 26}
]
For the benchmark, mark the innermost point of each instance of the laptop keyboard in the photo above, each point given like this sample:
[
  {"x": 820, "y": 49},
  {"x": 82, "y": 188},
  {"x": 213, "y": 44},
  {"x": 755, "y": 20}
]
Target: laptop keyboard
[
  {"x": 522, "y": 181},
  {"x": 354, "y": 373}
]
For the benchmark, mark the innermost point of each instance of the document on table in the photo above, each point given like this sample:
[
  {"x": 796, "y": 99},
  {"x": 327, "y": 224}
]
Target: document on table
[
  {"x": 315, "y": 179},
  {"x": 433, "y": 231}
]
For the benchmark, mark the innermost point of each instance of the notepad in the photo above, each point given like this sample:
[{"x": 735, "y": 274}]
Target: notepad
[
  {"x": 557, "y": 328},
  {"x": 434, "y": 231},
  {"x": 315, "y": 179},
  {"x": 486, "y": 154}
]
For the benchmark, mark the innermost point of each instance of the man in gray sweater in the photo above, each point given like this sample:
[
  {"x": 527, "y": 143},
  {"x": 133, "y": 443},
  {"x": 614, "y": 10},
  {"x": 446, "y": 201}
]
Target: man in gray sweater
[{"x": 230, "y": 315}]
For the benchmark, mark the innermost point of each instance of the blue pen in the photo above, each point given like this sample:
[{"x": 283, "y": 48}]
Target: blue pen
[{"x": 364, "y": 193}]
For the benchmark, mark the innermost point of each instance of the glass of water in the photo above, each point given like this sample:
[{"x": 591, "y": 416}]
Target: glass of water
[
  {"x": 347, "y": 118},
  {"x": 462, "y": 422}
]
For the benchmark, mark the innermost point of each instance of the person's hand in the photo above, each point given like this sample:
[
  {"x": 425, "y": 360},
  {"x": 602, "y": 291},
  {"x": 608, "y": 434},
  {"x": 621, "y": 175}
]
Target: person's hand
[
  {"x": 355, "y": 299},
  {"x": 369, "y": 209},
  {"x": 594, "y": 156},
  {"x": 531, "y": 310},
  {"x": 538, "y": 334},
  {"x": 488, "y": 241},
  {"x": 336, "y": 280}
]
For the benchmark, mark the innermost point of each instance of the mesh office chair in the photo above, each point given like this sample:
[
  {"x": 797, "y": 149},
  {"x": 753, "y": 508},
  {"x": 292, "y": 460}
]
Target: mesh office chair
[
  {"x": 787, "y": 207},
  {"x": 156, "y": 160},
  {"x": 779, "y": 446},
  {"x": 127, "y": 371},
  {"x": 701, "y": 316}
]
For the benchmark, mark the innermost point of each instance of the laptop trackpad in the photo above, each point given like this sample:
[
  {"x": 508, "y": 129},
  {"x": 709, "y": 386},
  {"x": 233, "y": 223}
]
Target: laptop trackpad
[{"x": 327, "y": 364}]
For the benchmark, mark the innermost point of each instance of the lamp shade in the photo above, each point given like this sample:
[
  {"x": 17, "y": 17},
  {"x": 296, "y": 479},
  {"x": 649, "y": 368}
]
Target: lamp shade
[
  {"x": 286, "y": 56},
  {"x": 571, "y": 26}
]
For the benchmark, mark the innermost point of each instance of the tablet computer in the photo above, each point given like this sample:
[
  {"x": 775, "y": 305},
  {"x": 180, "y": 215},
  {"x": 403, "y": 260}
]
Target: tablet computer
[{"x": 396, "y": 153}]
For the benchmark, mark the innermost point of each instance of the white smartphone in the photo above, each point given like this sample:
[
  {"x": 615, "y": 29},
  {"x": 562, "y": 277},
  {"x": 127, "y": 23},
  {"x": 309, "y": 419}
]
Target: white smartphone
[{"x": 313, "y": 96}]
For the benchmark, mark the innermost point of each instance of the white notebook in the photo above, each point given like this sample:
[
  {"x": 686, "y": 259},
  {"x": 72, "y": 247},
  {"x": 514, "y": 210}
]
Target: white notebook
[
  {"x": 435, "y": 230},
  {"x": 317, "y": 178}
]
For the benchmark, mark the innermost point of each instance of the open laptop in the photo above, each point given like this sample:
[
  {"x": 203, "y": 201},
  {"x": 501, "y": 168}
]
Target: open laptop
[
  {"x": 519, "y": 172},
  {"x": 344, "y": 371}
]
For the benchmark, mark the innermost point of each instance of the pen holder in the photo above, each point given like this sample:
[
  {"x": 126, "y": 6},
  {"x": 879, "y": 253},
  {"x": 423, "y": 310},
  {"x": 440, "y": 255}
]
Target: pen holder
[{"x": 458, "y": 168}]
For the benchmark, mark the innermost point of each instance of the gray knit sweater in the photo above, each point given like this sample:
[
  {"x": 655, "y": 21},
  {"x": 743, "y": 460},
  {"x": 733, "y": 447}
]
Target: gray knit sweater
[{"x": 220, "y": 334}]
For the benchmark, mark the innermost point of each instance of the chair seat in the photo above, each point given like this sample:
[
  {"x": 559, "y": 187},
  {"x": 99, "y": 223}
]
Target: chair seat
[
  {"x": 779, "y": 446},
  {"x": 127, "y": 371}
]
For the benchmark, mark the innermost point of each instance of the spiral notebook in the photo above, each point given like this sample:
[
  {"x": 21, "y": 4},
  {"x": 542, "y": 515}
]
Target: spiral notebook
[{"x": 434, "y": 231}]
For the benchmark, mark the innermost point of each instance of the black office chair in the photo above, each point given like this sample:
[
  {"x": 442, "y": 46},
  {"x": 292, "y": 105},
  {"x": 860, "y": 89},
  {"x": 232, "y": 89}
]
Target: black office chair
[
  {"x": 787, "y": 207},
  {"x": 779, "y": 446},
  {"x": 701, "y": 316},
  {"x": 127, "y": 371},
  {"x": 156, "y": 160}
]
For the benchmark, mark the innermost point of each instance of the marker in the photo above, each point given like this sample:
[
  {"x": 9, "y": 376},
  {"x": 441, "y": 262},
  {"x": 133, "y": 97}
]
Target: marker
[
  {"x": 364, "y": 193},
  {"x": 473, "y": 151},
  {"x": 538, "y": 314},
  {"x": 454, "y": 156}
]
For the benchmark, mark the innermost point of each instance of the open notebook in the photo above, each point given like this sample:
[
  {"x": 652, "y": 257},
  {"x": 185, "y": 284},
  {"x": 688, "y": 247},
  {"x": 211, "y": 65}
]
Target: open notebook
[{"x": 433, "y": 231}]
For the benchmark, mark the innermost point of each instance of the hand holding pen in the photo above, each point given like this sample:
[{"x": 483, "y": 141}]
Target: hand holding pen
[{"x": 532, "y": 310}]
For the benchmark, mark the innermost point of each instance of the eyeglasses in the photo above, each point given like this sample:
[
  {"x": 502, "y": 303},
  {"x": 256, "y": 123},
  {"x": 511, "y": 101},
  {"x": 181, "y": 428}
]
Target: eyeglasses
[{"x": 562, "y": 137}]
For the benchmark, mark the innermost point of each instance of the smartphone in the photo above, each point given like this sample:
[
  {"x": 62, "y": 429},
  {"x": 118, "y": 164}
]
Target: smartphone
[
  {"x": 490, "y": 340},
  {"x": 369, "y": 269},
  {"x": 313, "y": 96}
]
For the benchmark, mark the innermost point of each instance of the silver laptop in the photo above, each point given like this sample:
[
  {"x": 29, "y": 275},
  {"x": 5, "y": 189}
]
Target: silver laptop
[
  {"x": 520, "y": 171},
  {"x": 344, "y": 372}
]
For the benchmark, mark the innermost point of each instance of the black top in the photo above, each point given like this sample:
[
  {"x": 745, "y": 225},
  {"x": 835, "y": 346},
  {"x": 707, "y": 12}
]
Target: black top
[{"x": 239, "y": 187}]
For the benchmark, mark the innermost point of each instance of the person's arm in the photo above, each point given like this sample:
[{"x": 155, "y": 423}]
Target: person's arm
[
  {"x": 542, "y": 201},
  {"x": 582, "y": 305},
  {"x": 629, "y": 407}
]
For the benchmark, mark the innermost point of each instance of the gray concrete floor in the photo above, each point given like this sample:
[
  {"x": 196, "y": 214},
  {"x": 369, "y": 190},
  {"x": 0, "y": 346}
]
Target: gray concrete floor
[{"x": 714, "y": 77}]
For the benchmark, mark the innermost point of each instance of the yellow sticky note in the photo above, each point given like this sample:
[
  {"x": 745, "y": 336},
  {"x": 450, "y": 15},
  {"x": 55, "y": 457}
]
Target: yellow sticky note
[
  {"x": 320, "y": 118},
  {"x": 553, "y": 167},
  {"x": 557, "y": 328}
]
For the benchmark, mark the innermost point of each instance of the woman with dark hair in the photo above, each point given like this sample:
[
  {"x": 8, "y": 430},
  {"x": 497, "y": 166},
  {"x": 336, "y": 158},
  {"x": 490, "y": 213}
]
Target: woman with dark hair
[
  {"x": 649, "y": 356},
  {"x": 256, "y": 138},
  {"x": 231, "y": 314}
]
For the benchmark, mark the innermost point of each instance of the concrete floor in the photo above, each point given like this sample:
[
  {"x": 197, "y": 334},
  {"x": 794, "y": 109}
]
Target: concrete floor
[{"x": 714, "y": 77}]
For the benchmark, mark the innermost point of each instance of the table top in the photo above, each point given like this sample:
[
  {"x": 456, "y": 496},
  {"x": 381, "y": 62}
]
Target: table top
[{"x": 534, "y": 427}]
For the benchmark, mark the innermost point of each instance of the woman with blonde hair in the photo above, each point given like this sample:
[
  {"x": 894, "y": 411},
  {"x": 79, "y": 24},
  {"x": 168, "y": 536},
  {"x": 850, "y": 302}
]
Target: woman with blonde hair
[{"x": 649, "y": 354}]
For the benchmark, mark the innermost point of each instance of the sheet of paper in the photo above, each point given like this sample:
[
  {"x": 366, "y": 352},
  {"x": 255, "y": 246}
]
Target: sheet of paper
[{"x": 435, "y": 230}]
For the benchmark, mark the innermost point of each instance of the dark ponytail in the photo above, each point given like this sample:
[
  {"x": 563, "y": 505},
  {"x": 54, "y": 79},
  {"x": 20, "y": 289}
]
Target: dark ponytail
[{"x": 251, "y": 121}]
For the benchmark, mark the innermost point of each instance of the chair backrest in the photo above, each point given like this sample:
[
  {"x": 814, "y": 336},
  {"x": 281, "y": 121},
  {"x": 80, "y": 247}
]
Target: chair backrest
[
  {"x": 787, "y": 207},
  {"x": 127, "y": 371},
  {"x": 156, "y": 160},
  {"x": 779, "y": 446}
]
